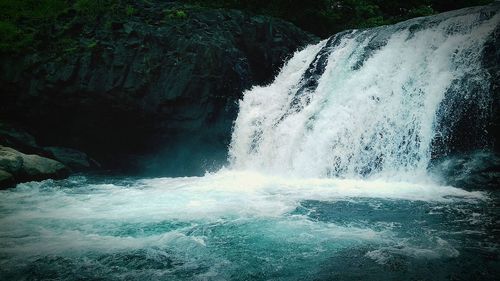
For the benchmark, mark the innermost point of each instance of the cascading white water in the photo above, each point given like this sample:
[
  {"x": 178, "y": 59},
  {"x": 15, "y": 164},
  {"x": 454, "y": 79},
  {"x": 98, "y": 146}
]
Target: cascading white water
[
  {"x": 366, "y": 103},
  {"x": 370, "y": 103}
]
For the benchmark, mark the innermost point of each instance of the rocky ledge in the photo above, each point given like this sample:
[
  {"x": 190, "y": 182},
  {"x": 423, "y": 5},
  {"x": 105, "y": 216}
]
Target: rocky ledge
[
  {"x": 36, "y": 162},
  {"x": 18, "y": 167}
]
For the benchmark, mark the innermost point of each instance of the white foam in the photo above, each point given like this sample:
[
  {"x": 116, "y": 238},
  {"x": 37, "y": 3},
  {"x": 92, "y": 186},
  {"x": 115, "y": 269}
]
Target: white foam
[
  {"x": 379, "y": 119},
  {"x": 222, "y": 194},
  {"x": 92, "y": 217}
]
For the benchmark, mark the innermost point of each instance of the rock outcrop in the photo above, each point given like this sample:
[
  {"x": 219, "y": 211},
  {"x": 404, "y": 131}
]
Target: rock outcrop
[
  {"x": 156, "y": 91},
  {"x": 19, "y": 167},
  {"x": 491, "y": 62},
  {"x": 15, "y": 137}
]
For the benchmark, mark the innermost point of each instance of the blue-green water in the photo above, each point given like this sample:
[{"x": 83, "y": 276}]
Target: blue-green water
[
  {"x": 372, "y": 104},
  {"x": 244, "y": 226}
]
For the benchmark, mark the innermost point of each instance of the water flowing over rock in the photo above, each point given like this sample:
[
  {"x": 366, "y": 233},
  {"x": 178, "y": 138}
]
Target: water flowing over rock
[{"x": 379, "y": 102}]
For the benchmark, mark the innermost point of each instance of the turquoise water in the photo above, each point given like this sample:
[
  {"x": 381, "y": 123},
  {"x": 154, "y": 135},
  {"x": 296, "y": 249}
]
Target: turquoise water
[
  {"x": 372, "y": 107},
  {"x": 246, "y": 226}
]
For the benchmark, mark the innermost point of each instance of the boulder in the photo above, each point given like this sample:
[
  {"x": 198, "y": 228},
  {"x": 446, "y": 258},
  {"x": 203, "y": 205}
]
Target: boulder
[
  {"x": 40, "y": 168},
  {"x": 19, "y": 167},
  {"x": 11, "y": 160},
  {"x": 19, "y": 139}
]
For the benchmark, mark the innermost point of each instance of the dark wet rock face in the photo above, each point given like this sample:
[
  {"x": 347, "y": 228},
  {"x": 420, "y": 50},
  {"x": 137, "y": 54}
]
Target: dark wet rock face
[
  {"x": 74, "y": 159},
  {"x": 473, "y": 123},
  {"x": 310, "y": 79},
  {"x": 478, "y": 169},
  {"x": 491, "y": 62},
  {"x": 148, "y": 92},
  {"x": 6, "y": 179},
  {"x": 13, "y": 136}
]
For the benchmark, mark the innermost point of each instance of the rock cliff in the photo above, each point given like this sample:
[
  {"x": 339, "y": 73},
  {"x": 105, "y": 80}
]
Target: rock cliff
[{"x": 157, "y": 91}]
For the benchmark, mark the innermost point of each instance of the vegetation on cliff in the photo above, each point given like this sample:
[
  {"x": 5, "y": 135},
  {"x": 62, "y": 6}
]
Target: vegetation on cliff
[
  {"x": 53, "y": 23},
  {"x": 326, "y": 17}
]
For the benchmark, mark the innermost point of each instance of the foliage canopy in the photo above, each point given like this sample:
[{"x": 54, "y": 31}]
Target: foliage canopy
[
  {"x": 30, "y": 23},
  {"x": 326, "y": 17}
]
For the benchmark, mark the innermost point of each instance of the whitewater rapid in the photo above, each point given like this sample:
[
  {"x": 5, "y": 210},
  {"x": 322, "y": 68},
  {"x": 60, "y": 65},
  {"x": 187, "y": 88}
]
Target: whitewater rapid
[
  {"x": 81, "y": 215},
  {"x": 328, "y": 179},
  {"x": 370, "y": 103}
]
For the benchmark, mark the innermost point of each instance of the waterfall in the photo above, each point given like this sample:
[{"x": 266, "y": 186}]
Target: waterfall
[{"x": 370, "y": 103}]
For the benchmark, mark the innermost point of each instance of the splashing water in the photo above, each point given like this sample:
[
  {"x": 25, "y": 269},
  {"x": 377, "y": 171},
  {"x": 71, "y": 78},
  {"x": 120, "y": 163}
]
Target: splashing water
[
  {"x": 239, "y": 226},
  {"x": 328, "y": 179},
  {"x": 366, "y": 103}
]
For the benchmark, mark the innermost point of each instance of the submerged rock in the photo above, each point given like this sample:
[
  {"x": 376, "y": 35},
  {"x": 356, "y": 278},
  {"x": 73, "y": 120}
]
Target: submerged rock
[{"x": 17, "y": 167}]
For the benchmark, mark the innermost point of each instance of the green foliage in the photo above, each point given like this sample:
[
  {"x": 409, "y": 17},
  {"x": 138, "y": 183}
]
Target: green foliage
[
  {"x": 12, "y": 38},
  {"x": 48, "y": 24},
  {"x": 445, "y": 5},
  {"x": 31, "y": 10},
  {"x": 325, "y": 17},
  {"x": 421, "y": 11},
  {"x": 95, "y": 8},
  {"x": 66, "y": 45},
  {"x": 21, "y": 19},
  {"x": 175, "y": 14},
  {"x": 180, "y": 14},
  {"x": 92, "y": 44},
  {"x": 129, "y": 10},
  {"x": 28, "y": 24}
]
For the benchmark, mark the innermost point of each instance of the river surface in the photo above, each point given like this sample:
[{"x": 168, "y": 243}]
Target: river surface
[
  {"x": 328, "y": 177},
  {"x": 246, "y": 226}
]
